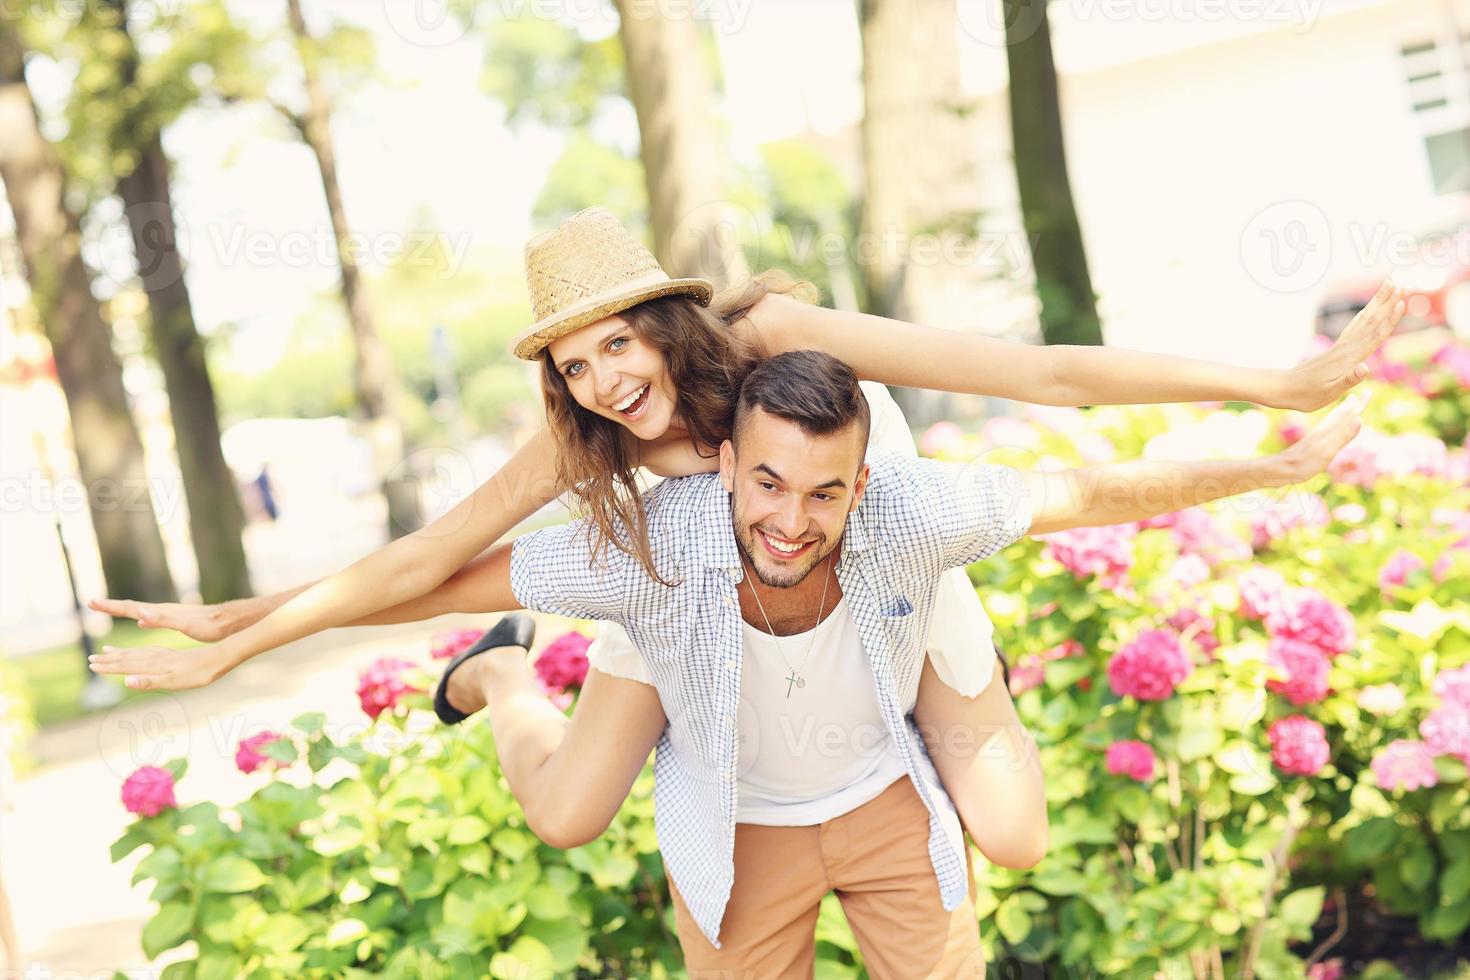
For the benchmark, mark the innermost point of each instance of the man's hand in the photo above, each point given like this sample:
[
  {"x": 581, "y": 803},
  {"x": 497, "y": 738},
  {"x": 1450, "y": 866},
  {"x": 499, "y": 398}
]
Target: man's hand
[
  {"x": 1313, "y": 452},
  {"x": 160, "y": 668},
  {"x": 1320, "y": 380},
  {"x": 207, "y": 624}
]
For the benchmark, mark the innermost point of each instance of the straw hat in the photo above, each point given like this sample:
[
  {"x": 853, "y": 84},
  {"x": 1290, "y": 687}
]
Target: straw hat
[{"x": 586, "y": 268}]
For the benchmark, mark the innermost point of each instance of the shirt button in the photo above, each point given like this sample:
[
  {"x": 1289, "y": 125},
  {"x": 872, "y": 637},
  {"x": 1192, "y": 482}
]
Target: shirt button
[
  {"x": 729, "y": 774},
  {"x": 729, "y": 601},
  {"x": 729, "y": 665},
  {"x": 729, "y": 722}
]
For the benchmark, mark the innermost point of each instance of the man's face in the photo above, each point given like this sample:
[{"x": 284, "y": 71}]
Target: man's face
[{"x": 792, "y": 493}]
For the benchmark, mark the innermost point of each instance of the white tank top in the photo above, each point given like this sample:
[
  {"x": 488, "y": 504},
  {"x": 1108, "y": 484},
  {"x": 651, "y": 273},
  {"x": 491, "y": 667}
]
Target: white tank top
[{"x": 822, "y": 751}]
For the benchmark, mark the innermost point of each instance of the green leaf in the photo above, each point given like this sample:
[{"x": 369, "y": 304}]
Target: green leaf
[
  {"x": 339, "y": 840},
  {"x": 514, "y": 844},
  {"x": 1301, "y": 909},
  {"x": 309, "y": 723},
  {"x": 282, "y": 933},
  {"x": 218, "y": 966},
  {"x": 527, "y": 956},
  {"x": 545, "y": 902},
  {"x": 128, "y": 843},
  {"x": 1446, "y": 922},
  {"x": 1013, "y": 921},
  {"x": 1454, "y": 882},
  {"x": 563, "y": 938},
  {"x": 167, "y": 929},
  {"x": 1371, "y": 839},
  {"x": 231, "y": 875},
  {"x": 1418, "y": 867},
  {"x": 282, "y": 750},
  {"x": 345, "y": 931},
  {"x": 177, "y": 767},
  {"x": 468, "y": 830}
]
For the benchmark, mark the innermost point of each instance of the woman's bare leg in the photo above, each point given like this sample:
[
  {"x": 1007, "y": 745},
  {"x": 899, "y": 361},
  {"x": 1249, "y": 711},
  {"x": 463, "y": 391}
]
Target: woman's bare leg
[
  {"x": 570, "y": 774},
  {"x": 989, "y": 765}
]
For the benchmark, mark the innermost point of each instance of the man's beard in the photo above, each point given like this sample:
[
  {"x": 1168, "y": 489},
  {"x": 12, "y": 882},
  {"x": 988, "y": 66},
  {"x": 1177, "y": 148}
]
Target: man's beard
[{"x": 787, "y": 576}]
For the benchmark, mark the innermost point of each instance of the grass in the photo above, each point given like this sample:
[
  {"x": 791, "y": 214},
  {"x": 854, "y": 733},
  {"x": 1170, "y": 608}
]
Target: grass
[{"x": 54, "y": 678}]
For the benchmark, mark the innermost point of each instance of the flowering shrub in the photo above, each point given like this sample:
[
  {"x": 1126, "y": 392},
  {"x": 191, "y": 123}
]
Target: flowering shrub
[{"x": 1281, "y": 707}]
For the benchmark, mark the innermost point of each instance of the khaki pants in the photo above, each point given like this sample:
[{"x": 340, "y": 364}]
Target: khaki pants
[{"x": 876, "y": 858}]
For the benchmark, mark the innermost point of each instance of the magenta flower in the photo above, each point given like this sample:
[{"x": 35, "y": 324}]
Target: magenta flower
[
  {"x": 1104, "y": 552},
  {"x": 1381, "y": 699},
  {"x": 1299, "y": 509},
  {"x": 1453, "y": 686},
  {"x": 1149, "y": 667},
  {"x": 248, "y": 756},
  {"x": 1396, "y": 571},
  {"x": 1454, "y": 357},
  {"x": 1406, "y": 764},
  {"x": 443, "y": 646},
  {"x": 1260, "y": 591},
  {"x": 1197, "y": 532},
  {"x": 1189, "y": 570},
  {"x": 382, "y": 684},
  {"x": 149, "y": 791},
  {"x": 563, "y": 663},
  {"x": 1133, "y": 759},
  {"x": 1307, "y": 615},
  {"x": 1305, "y": 667},
  {"x": 1187, "y": 617},
  {"x": 1326, "y": 970},
  {"x": 1447, "y": 731},
  {"x": 1298, "y": 745}
]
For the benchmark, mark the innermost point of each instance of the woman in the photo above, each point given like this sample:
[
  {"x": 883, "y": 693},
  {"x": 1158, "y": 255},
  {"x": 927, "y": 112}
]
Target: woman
[{"x": 642, "y": 370}]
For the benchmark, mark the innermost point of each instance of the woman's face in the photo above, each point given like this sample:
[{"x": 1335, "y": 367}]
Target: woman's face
[{"x": 613, "y": 372}]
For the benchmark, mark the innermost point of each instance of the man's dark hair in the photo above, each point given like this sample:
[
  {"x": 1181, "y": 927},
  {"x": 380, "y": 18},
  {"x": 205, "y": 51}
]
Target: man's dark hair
[{"x": 812, "y": 389}]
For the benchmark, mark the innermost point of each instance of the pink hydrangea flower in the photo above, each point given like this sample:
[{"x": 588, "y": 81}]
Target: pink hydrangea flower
[
  {"x": 1197, "y": 532},
  {"x": 1067, "y": 648},
  {"x": 1453, "y": 686},
  {"x": 443, "y": 646},
  {"x": 248, "y": 756},
  {"x": 1189, "y": 570},
  {"x": 1133, "y": 759},
  {"x": 1396, "y": 571},
  {"x": 1447, "y": 731},
  {"x": 1305, "y": 667},
  {"x": 1104, "y": 552},
  {"x": 1291, "y": 430},
  {"x": 1381, "y": 699},
  {"x": 1149, "y": 667},
  {"x": 382, "y": 684},
  {"x": 941, "y": 438},
  {"x": 1029, "y": 671},
  {"x": 1277, "y": 517},
  {"x": 1326, "y": 970},
  {"x": 1454, "y": 357},
  {"x": 1298, "y": 745},
  {"x": 1350, "y": 513},
  {"x": 1260, "y": 591},
  {"x": 1183, "y": 619},
  {"x": 1307, "y": 615},
  {"x": 149, "y": 791},
  {"x": 1406, "y": 764},
  {"x": 1373, "y": 455},
  {"x": 1445, "y": 563},
  {"x": 1010, "y": 432},
  {"x": 563, "y": 663}
]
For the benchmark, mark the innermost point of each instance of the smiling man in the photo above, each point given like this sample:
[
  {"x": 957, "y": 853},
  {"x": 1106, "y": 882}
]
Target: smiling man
[{"x": 777, "y": 676}]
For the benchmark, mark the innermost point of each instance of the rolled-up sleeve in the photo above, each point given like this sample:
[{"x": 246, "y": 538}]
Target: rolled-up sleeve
[
  {"x": 553, "y": 571},
  {"x": 956, "y": 513}
]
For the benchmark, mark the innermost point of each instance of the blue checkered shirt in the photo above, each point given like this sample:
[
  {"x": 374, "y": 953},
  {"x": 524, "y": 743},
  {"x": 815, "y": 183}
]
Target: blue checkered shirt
[{"x": 917, "y": 519}]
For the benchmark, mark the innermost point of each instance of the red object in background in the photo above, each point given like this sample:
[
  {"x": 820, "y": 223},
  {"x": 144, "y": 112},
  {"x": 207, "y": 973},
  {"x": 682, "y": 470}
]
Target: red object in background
[{"x": 1438, "y": 283}]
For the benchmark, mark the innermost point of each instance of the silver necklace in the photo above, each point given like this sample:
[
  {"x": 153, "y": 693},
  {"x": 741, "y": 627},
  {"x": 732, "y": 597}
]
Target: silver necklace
[{"x": 795, "y": 678}]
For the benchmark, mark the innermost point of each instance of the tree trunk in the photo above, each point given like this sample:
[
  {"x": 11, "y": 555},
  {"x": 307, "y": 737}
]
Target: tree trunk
[
  {"x": 374, "y": 377},
  {"x": 921, "y": 170},
  {"x": 1068, "y": 307},
  {"x": 216, "y": 519},
  {"x": 109, "y": 452},
  {"x": 695, "y": 225}
]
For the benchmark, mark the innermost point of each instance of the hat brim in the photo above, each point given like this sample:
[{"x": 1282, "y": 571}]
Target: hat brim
[{"x": 529, "y": 345}]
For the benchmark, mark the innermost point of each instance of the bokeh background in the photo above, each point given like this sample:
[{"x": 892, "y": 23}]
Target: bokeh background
[{"x": 260, "y": 263}]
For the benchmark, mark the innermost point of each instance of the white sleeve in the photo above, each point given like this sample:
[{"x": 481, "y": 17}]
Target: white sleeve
[{"x": 612, "y": 652}]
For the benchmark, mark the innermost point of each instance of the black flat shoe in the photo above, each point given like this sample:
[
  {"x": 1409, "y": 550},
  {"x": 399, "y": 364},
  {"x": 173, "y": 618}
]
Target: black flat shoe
[{"x": 515, "y": 629}]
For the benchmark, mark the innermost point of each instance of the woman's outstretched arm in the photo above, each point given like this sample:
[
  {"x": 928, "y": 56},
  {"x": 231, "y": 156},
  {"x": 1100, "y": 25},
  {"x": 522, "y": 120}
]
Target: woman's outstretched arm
[
  {"x": 399, "y": 572},
  {"x": 914, "y": 356}
]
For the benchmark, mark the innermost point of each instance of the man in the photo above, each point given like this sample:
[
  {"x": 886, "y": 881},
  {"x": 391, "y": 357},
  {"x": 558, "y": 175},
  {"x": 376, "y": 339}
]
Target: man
[{"x": 796, "y": 534}]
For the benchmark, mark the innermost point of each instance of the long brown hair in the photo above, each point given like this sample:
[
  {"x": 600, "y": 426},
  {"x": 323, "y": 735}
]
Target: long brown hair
[{"x": 706, "y": 362}]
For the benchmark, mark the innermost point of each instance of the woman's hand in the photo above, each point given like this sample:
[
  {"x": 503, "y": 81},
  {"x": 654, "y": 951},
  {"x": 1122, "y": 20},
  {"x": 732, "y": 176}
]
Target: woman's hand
[
  {"x": 206, "y": 624},
  {"x": 1320, "y": 380},
  {"x": 162, "y": 668},
  {"x": 1313, "y": 453}
]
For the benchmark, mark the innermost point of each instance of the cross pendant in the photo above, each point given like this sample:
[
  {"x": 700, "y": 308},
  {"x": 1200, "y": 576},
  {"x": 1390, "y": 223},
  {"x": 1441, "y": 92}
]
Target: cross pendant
[{"x": 794, "y": 679}]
